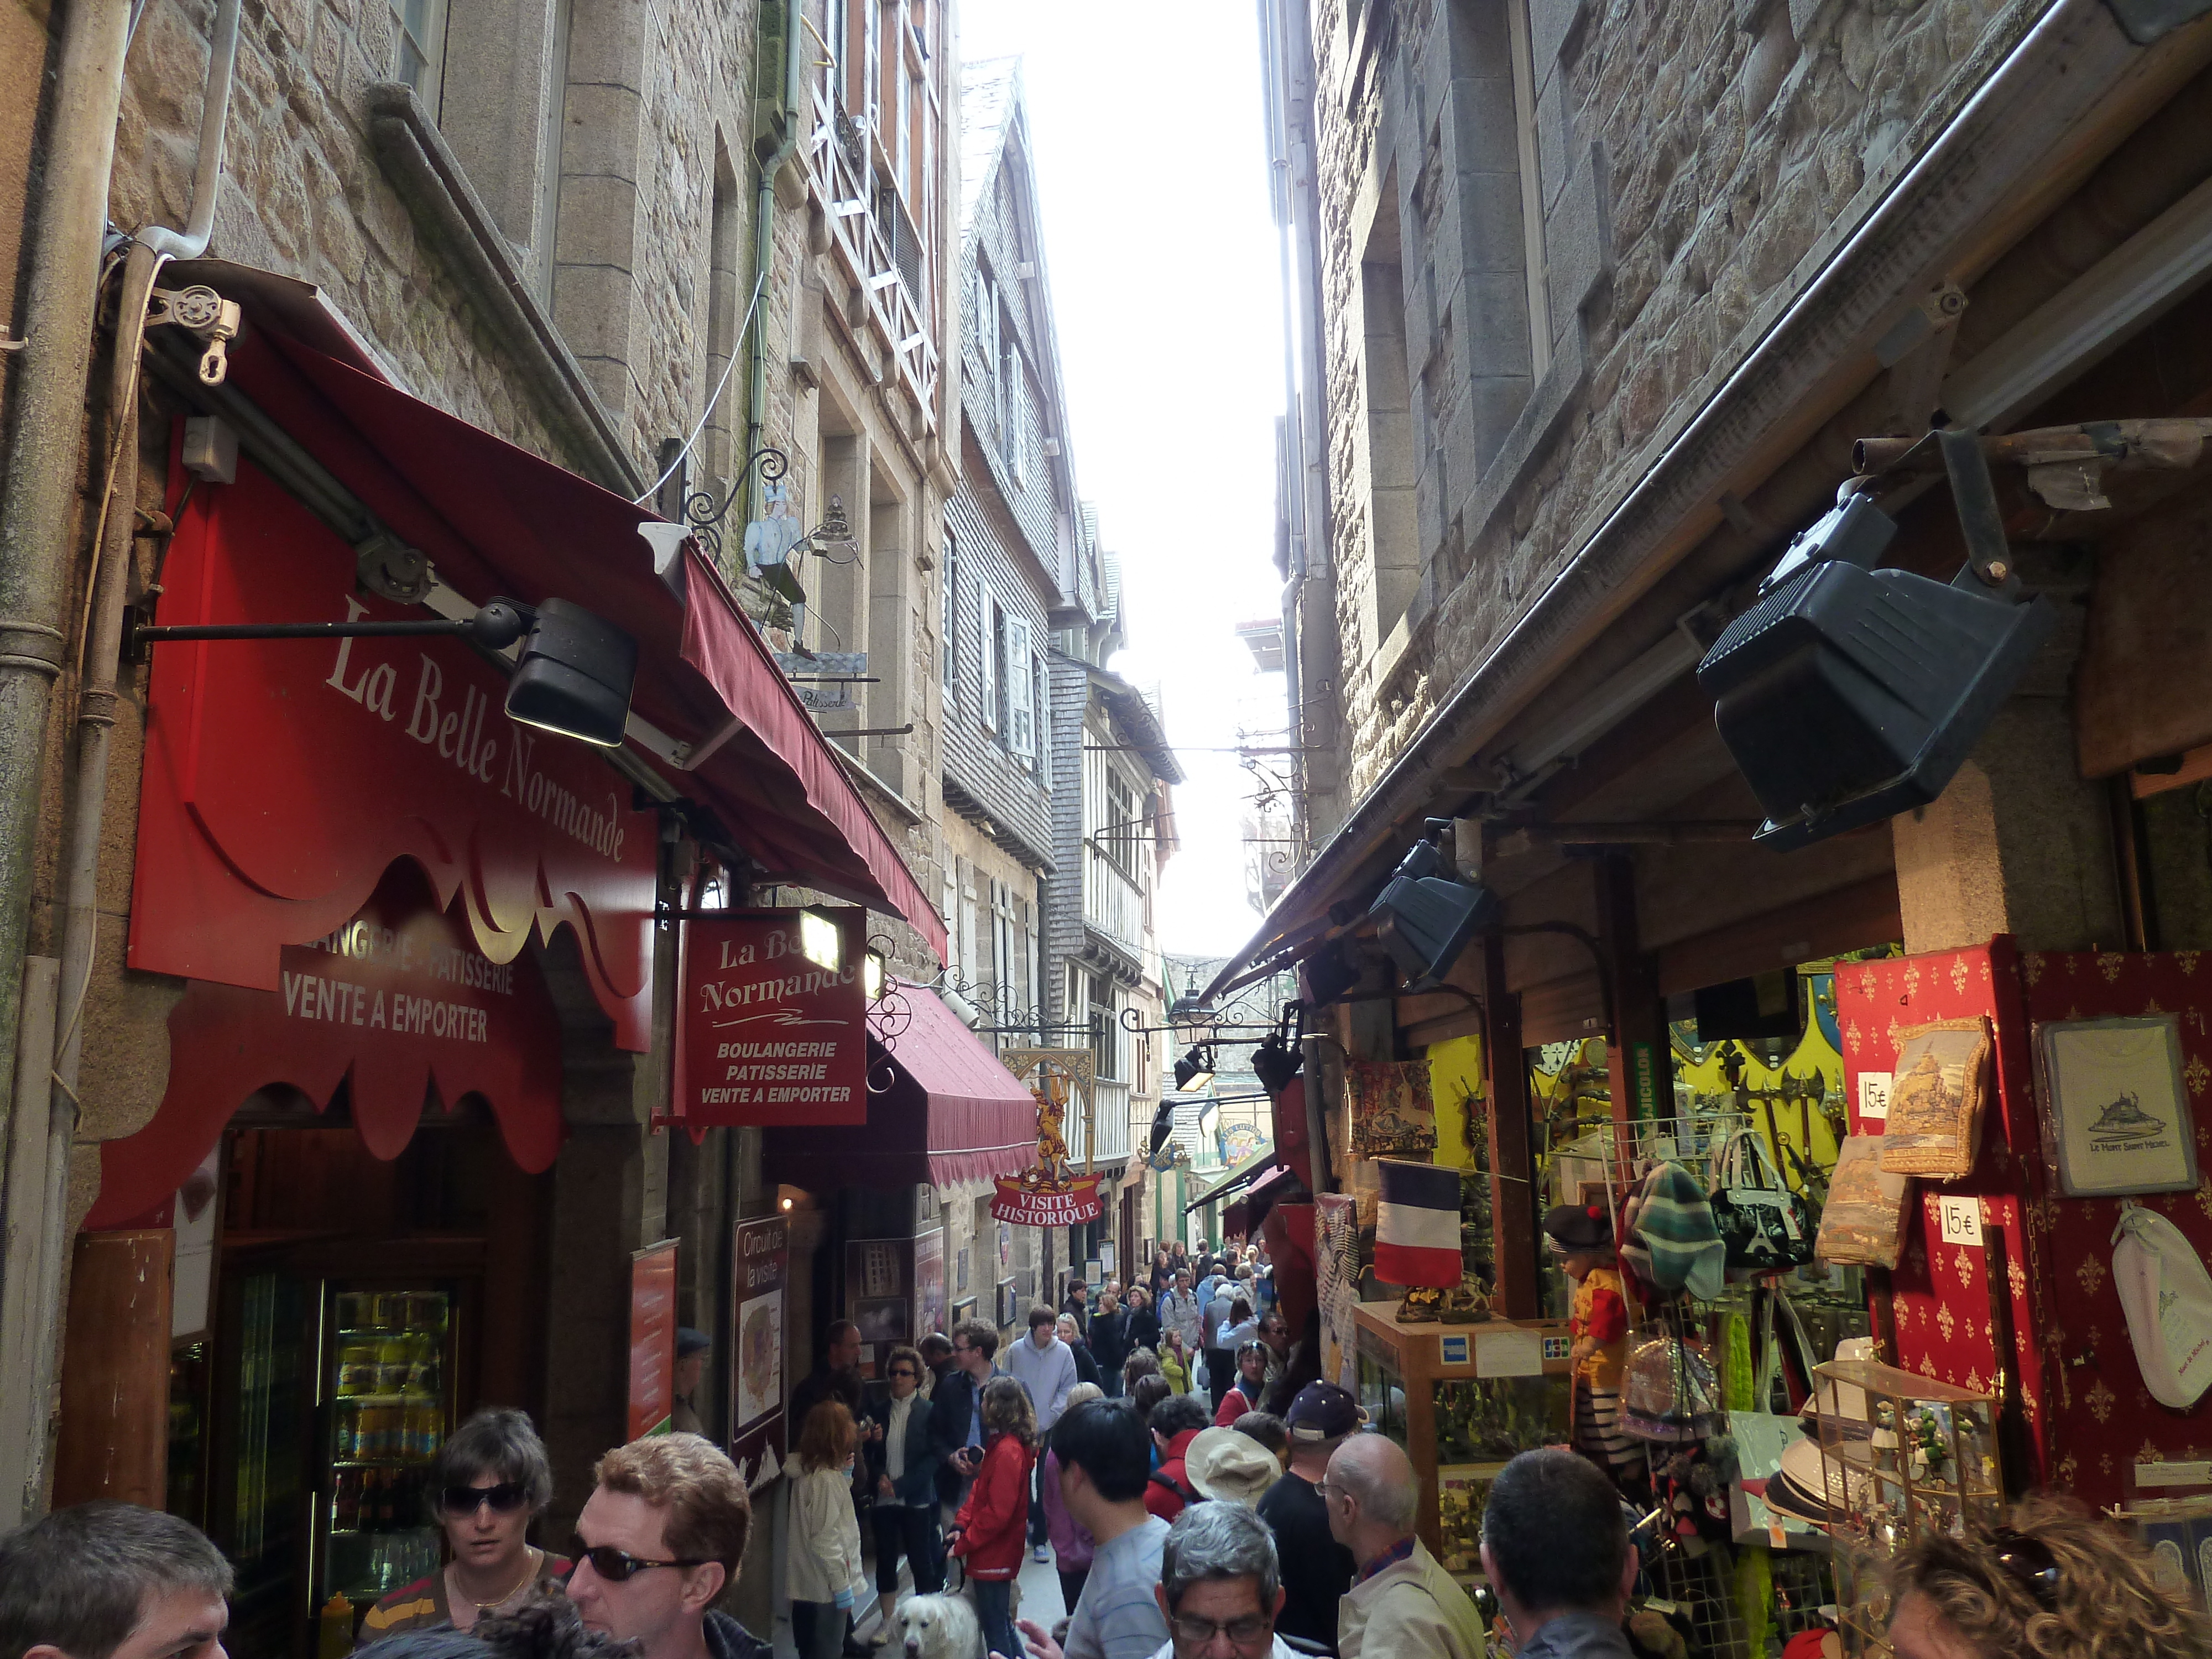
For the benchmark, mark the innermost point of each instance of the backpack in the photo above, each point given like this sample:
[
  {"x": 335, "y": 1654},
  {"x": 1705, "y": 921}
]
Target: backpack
[{"x": 2168, "y": 1296}]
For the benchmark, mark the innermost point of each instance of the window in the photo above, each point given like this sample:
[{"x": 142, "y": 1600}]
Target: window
[
  {"x": 1105, "y": 1030},
  {"x": 994, "y": 342},
  {"x": 988, "y": 613},
  {"x": 1383, "y": 456},
  {"x": 1532, "y": 191},
  {"x": 948, "y": 628},
  {"x": 420, "y": 45},
  {"x": 951, "y": 912},
  {"x": 966, "y": 934},
  {"x": 1122, "y": 829},
  {"x": 1003, "y": 967},
  {"x": 549, "y": 157},
  {"x": 1036, "y": 976},
  {"x": 1040, "y": 688},
  {"x": 1020, "y": 723},
  {"x": 1013, "y": 420}
]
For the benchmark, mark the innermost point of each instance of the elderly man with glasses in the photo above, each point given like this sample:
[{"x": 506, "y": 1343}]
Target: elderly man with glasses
[
  {"x": 1402, "y": 1604},
  {"x": 1220, "y": 1587}
]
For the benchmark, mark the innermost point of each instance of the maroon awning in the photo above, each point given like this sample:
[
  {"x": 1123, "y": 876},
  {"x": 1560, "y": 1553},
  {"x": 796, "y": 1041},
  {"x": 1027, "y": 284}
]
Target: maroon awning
[
  {"x": 496, "y": 519},
  {"x": 942, "y": 1109}
]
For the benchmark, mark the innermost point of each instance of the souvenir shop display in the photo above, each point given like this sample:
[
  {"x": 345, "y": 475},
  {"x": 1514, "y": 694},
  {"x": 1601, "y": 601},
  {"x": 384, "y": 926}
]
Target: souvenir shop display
[
  {"x": 1762, "y": 1223},
  {"x": 1903, "y": 1455},
  {"x": 1863, "y": 1220},
  {"x": 2168, "y": 1296},
  {"x": 1938, "y": 1097},
  {"x": 2116, "y": 1115},
  {"x": 1393, "y": 1114},
  {"x": 1581, "y": 1237}
]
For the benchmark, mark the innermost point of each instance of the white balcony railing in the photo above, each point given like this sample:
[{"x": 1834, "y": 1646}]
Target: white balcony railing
[
  {"x": 1113, "y": 905},
  {"x": 875, "y": 240},
  {"x": 1110, "y": 1107}
]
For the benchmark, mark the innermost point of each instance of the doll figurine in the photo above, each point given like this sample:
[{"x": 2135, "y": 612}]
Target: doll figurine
[{"x": 1581, "y": 1238}]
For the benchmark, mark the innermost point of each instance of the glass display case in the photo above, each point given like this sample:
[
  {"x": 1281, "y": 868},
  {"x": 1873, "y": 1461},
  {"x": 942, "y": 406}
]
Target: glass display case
[
  {"x": 386, "y": 1393},
  {"x": 1901, "y": 1455},
  {"x": 1462, "y": 1399}
]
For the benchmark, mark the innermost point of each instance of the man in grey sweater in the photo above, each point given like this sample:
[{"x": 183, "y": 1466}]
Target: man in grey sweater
[{"x": 1044, "y": 1366}]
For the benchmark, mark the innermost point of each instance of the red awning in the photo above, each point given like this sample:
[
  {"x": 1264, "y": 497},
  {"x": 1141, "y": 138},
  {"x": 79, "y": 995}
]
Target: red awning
[
  {"x": 497, "y": 521},
  {"x": 942, "y": 1109}
]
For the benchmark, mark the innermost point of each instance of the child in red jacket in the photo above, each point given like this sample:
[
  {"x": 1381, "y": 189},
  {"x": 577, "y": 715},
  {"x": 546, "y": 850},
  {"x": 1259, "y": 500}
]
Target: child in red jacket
[{"x": 990, "y": 1532}]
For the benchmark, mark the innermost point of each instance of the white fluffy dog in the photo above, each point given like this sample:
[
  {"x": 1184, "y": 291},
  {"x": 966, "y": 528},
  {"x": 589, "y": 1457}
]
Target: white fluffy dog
[{"x": 940, "y": 1628}]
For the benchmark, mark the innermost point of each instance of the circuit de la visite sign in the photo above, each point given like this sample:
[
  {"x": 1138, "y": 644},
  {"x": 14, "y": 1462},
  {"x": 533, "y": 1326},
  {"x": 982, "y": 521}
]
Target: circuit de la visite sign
[{"x": 772, "y": 1029}]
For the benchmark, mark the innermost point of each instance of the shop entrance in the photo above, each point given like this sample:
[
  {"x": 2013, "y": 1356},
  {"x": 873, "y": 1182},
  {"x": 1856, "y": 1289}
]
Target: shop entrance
[{"x": 360, "y": 1309}]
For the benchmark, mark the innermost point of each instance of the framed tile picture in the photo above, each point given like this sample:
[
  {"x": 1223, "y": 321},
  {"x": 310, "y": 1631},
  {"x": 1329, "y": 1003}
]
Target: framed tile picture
[{"x": 2116, "y": 1115}]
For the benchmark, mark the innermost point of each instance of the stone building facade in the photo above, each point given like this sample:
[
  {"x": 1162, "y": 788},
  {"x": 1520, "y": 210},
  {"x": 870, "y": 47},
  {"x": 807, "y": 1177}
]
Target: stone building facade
[
  {"x": 1590, "y": 304},
  {"x": 639, "y": 243}
]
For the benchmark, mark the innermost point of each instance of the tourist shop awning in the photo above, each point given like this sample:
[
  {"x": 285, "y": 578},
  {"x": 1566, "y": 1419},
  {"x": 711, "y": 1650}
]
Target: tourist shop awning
[
  {"x": 942, "y": 1109},
  {"x": 496, "y": 519}
]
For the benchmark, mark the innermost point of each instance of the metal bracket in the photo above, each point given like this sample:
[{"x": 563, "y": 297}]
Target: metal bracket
[
  {"x": 1974, "y": 494},
  {"x": 201, "y": 310}
]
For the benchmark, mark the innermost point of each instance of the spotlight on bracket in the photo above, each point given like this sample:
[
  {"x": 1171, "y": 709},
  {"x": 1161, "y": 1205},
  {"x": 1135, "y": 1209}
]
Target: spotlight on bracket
[
  {"x": 1195, "y": 1069},
  {"x": 1846, "y": 694},
  {"x": 1275, "y": 1062},
  {"x": 1425, "y": 916}
]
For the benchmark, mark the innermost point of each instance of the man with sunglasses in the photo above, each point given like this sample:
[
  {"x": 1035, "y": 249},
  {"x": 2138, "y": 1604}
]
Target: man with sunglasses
[
  {"x": 658, "y": 1540},
  {"x": 490, "y": 1479}
]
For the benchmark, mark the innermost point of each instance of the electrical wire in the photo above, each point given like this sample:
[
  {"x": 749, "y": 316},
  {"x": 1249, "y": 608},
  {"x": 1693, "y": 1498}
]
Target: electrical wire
[{"x": 707, "y": 413}]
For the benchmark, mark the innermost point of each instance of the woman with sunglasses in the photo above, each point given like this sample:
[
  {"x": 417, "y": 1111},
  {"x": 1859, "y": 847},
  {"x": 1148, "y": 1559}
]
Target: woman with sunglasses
[
  {"x": 903, "y": 1458},
  {"x": 488, "y": 1481},
  {"x": 993, "y": 1525},
  {"x": 2058, "y": 1582}
]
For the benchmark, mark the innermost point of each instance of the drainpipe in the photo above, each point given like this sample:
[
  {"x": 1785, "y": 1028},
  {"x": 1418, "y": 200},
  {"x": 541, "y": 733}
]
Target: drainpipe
[
  {"x": 152, "y": 248},
  {"x": 38, "y": 487},
  {"x": 794, "y": 96}
]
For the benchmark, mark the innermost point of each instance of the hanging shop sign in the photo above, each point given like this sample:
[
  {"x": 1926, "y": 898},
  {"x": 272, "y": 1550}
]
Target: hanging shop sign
[
  {"x": 283, "y": 777},
  {"x": 1050, "y": 1193},
  {"x": 762, "y": 1256},
  {"x": 772, "y": 1029},
  {"x": 395, "y": 1003},
  {"x": 652, "y": 1339}
]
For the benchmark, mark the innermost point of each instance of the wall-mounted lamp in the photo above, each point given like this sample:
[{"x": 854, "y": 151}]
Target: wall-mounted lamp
[
  {"x": 573, "y": 675},
  {"x": 1847, "y": 694},
  {"x": 1425, "y": 914}
]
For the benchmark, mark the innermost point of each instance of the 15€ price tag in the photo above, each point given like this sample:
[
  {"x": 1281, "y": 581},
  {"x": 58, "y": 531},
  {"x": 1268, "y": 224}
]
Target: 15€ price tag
[
  {"x": 1961, "y": 1219},
  {"x": 1873, "y": 1095}
]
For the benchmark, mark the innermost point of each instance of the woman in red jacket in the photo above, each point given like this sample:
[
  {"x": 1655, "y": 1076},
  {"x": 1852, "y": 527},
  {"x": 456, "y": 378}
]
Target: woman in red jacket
[{"x": 989, "y": 1533}]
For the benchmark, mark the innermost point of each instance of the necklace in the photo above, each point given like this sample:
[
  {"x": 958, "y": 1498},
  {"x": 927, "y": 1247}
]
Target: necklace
[{"x": 529, "y": 1572}]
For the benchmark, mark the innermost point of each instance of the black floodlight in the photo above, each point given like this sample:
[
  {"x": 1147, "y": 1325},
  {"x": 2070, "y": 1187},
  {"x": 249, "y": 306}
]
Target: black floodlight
[
  {"x": 574, "y": 676},
  {"x": 1846, "y": 694},
  {"x": 1426, "y": 915},
  {"x": 1195, "y": 1069},
  {"x": 1163, "y": 1132},
  {"x": 1275, "y": 1062}
]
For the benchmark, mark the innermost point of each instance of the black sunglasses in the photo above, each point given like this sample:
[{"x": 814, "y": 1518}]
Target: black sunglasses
[
  {"x": 2028, "y": 1562},
  {"x": 504, "y": 1499},
  {"x": 615, "y": 1566}
]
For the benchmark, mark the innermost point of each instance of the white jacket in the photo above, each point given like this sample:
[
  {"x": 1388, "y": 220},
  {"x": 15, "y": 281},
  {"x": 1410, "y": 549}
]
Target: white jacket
[{"x": 825, "y": 1538}]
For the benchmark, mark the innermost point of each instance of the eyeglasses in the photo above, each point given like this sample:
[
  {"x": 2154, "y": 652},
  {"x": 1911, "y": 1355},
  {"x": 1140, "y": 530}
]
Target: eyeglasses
[
  {"x": 903, "y": 1370},
  {"x": 1244, "y": 1632},
  {"x": 2028, "y": 1562},
  {"x": 504, "y": 1499},
  {"x": 616, "y": 1566}
]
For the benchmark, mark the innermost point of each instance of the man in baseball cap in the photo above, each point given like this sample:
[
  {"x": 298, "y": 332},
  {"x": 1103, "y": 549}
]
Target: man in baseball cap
[{"x": 1317, "y": 1570}]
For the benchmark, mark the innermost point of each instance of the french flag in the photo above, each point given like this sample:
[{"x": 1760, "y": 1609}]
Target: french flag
[{"x": 1417, "y": 1224}]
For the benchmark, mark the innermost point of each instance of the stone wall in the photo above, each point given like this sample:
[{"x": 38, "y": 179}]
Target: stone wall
[{"x": 1696, "y": 163}]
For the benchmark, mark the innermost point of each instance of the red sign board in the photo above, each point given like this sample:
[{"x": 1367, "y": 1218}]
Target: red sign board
[
  {"x": 1039, "y": 1206},
  {"x": 652, "y": 1339},
  {"x": 756, "y": 1349},
  {"x": 283, "y": 777},
  {"x": 768, "y": 1033},
  {"x": 394, "y": 1001}
]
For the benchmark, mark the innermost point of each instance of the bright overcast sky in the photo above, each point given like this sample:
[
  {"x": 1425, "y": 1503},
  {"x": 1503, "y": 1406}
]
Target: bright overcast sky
[{"x": 1151, "y": 175}]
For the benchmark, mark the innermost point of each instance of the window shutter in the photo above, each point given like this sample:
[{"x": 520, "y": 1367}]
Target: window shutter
[
  {"x": 1022, "y": 734},
  {"x": 988, "y": 637}
]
